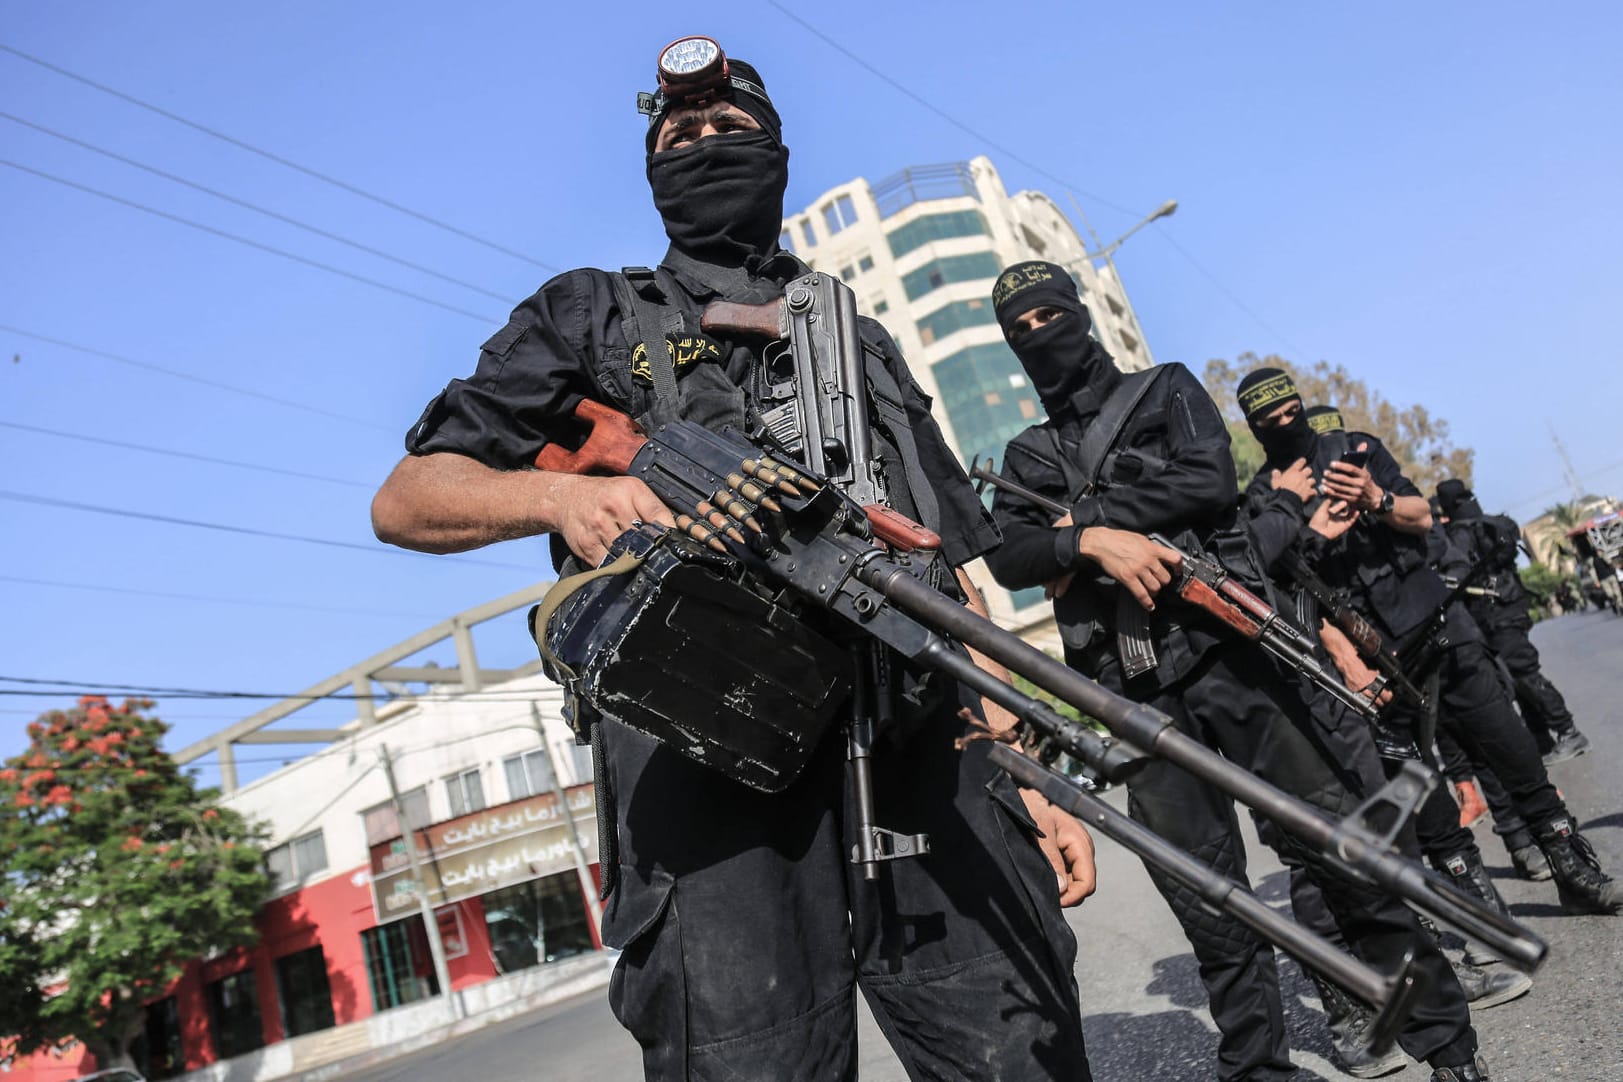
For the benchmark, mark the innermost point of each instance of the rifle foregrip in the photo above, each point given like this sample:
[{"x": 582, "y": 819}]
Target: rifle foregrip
[
  {"x": 1202, "y": 596},
  {"x": 769, "y": 320},
  {"x": 898, "y": 531},
  {"x": 612, "y": 441}
]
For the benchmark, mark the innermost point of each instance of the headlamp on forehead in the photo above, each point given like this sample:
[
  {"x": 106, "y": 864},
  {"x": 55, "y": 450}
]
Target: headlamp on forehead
[{"x": 692, "y": 71}]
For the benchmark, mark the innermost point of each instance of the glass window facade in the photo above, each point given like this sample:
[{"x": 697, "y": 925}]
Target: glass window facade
[
  {"x": 944, "y": 226},
  {"x": 301, "y": 984},
  {"x": 535, "y": 922},
  {"x": 234, "y": 1014},
  {"x": 292, "y": 862},
  {"x": 955, "y": 317},
  {"x": 953, "y": 268},
  {"x": 839, "y": 214},
  {"x": 985, "y": 404},
  {"x": 530, "y": 773},
  {"x": 399, "y": 967},
  {"x": 466, "y": 792},
  {"x": 157, "y": 1050},
  {"x": 381, "y": 823}
]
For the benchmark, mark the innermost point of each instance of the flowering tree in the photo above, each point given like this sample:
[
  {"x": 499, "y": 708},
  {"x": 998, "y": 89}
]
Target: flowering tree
[{"x": 115, "y": 871}]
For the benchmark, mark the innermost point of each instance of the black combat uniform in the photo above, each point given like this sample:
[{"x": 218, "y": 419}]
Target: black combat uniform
[
  {"x": 1387, "y": 575},
  {"x": 1170, "y": 471},
  {"x": 742, "y": 921},
  {"x": 1501, "y": 611}
]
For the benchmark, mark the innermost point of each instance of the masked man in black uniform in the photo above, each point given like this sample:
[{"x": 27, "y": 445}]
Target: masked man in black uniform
[
  {"x": 1169, "y": 470},
  {"x": 1501, "y": 613},
  {"x": 743, "y": 924},
  {"x": 1375, "y": 547}
]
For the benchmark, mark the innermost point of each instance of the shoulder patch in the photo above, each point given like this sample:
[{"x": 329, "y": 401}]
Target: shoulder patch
[{"x": 687, "y": 350}]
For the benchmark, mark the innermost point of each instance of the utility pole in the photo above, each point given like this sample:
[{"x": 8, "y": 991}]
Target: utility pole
[
  {"x": 1566, "y": 464},
  {"x": 431, "y": 924},
  {"x": 582, "y": 869}
]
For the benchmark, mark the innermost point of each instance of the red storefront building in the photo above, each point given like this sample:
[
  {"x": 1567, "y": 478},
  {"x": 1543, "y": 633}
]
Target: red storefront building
[{"x": 344, "y": 953}]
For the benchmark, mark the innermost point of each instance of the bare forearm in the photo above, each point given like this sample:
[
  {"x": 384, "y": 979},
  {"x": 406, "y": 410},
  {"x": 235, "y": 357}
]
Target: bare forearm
[
  {"x": 1410, "y": 514},
  {"x": 451, "y": 503}
]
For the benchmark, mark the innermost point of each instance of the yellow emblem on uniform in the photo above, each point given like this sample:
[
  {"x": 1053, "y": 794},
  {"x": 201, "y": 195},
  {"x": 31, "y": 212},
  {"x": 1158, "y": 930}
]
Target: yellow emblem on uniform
[
  {"x": 686, "y": 351},
  {"x": 1266, "y": 393},
  {"x": 1016, "y": 278}
]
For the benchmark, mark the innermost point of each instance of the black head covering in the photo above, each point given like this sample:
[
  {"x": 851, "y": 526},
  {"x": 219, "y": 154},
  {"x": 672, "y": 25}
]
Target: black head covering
[
  {"x": 721, "y": 198},
  {"x": 1322, "y": 419},
  {"x": 1067, "y": 366},
  {"x": 747, "y": 92},
  {"x": 1457, "y": 500},
  {"x": 1263, "y": 390}
]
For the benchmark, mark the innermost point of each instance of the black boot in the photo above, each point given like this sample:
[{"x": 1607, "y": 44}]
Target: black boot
[
  {"x": 1568, "y": 745},
  {"x": 1583, "y": 887},
  {"x": 1465, "y": 1072},
  {"x": 1525, "y": 856},
  {"x": 1465, "y": 871},
  {"x": 1349, "y": 1022},
  {"x": 1486, "y": 988}
]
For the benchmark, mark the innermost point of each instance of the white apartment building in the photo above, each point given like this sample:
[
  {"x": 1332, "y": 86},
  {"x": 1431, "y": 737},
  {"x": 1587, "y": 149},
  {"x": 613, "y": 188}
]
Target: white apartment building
[{"x": 922, "y": 250}]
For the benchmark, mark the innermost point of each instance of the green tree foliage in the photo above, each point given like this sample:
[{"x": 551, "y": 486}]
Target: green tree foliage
[
  {"x": 1416, "y": 438},
  {"x": 118, "y": 870},
  {"x": 1541, "y": 581}
]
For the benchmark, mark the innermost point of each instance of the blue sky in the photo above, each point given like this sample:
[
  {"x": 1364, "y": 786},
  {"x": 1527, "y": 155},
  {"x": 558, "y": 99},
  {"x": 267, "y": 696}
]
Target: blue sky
[{"x": 1428, "y": 194}]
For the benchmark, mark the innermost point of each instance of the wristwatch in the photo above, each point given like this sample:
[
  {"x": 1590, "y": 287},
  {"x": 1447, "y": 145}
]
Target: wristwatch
[{"x": 1388, "y": 502}]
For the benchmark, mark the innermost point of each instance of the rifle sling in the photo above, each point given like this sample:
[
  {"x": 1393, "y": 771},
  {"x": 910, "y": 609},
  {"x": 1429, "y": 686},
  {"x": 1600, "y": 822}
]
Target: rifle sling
[
  {"x": 648, "y": 322},
  {"x": 1134, "y": 643}
]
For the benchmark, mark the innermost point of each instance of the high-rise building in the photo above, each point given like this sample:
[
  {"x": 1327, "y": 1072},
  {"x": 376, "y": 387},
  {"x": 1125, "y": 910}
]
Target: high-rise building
[{"x": 922, "y": 250}]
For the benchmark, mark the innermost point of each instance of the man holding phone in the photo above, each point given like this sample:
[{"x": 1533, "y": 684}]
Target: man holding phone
[{"x": 1365, "y": 532}]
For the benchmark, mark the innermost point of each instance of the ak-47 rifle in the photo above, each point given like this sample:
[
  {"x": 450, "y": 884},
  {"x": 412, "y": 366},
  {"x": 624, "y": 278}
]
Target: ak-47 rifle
[
  {"x": 1206, "y": 585},
  {"x": 1364, "y": 636},
  {"x": 783, "y": 533}
]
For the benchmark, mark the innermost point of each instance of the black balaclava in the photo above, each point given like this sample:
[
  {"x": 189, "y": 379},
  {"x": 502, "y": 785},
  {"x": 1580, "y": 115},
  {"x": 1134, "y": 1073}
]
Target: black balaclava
[
  {"x": 1457, "y": 500},
  {"x": 1322, "y": 419},
  {"x": 722, "y": 197},
  {"x": 1263, "y": 390},
  {"x": 1068, "y": 368}
]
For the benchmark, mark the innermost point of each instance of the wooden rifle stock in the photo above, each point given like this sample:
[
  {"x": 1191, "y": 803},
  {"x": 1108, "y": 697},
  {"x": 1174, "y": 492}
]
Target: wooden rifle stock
[
  {"x": 769, "y": 320},
  {"x": 612, "y": 441}
]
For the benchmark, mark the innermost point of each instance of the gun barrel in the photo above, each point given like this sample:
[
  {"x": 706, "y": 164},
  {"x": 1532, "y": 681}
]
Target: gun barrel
[
  {"x": 1152, "y": 731},
  {"x": 997, "y": 480},
  {"x": 1391, "y": 996}
]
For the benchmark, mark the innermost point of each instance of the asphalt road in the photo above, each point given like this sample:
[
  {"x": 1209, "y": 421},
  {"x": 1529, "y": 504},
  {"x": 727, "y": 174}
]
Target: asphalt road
[{"x": 1143, "y": 1006}]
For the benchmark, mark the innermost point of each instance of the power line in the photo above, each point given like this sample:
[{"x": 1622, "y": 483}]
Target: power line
[
  {"x": 100, "y": 589},
  {"x": 318, "y": 231},
  {"x": 938, "y": 111},
  {"x": 80, "y": 686},
  {"x": 307, "y": 171},
  {"x": 77, "y": 687},
  {"x": 73, "y": 505},
  {"x": 328, "y": 267},
  {"x": 1238, "y": 303},
  {"x": 103, "y": 441},
  {"x": 191, "y": 378},
  {"x": 1006, "y": 152}
]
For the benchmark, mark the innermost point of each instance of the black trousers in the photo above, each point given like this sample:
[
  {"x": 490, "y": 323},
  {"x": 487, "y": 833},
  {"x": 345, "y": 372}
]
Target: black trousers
[
  {"x": 745, "y": 927},
  {"x": 1237, "y": 702},
  {"x": 1476, "y": 709},
  {"x": 1543, "y": 709}
]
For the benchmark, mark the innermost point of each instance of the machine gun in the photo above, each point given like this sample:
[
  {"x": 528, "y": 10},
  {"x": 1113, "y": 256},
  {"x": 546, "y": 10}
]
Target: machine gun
[
  {"x": 791, "y": 540},
  {"x": 766, "y": 536},
  {"x": 1206, "y": 585}
]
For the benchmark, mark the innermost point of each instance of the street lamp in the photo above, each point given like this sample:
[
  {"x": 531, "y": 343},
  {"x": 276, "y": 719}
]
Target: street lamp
[{"x": 1165, "y": 210}]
